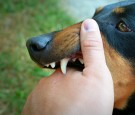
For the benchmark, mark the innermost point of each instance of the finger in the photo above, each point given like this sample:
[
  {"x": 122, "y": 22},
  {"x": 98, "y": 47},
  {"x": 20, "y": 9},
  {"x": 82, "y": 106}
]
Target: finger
[{"x": 91, "y": 43}]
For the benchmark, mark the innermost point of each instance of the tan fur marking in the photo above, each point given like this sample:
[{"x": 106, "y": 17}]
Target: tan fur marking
[
  {"x": 99, "y": 9},
  {"x": 119, "y": 10},
  {"x": 123, "y": 78},
  {"x": 65, "y": 37}
]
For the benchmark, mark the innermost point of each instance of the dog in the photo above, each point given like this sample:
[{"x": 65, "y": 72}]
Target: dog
[{"x": 117, "y": 27}]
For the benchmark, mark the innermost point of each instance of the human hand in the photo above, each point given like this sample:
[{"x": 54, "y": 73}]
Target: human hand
[{"x": 89, "y": 92}]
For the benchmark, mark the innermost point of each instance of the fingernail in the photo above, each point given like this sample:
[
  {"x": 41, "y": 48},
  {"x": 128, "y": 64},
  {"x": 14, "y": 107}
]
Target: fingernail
[{"x": 90, "y": 25}]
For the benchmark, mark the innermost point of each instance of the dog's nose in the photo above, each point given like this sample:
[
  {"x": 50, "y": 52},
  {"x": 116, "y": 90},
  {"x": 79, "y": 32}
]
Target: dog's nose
[{"x": 38, "y": 43}]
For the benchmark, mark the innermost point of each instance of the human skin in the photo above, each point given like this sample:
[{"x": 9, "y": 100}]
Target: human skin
[{"x": 87, "y": 92}]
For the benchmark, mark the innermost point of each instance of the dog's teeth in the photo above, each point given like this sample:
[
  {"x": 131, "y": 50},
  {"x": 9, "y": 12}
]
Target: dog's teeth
[
  {"x": 63, "y": 65},
  {"x": 52, "y": 64},
  {"x": 81, "y": 60},
  {"x": 47, "y": 65},
  {"x": 74, "y": 59}
]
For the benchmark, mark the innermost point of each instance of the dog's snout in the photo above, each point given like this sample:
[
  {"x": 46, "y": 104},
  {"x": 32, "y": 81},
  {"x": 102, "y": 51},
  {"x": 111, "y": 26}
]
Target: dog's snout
[{"x": 38, "y": 46}]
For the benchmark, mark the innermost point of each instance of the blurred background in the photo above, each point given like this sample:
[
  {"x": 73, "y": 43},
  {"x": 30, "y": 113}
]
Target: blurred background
[{"x": 20, "y": 20}]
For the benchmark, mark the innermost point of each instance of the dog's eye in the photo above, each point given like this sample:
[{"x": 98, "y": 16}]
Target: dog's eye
[{"x": 121, "y": 26}]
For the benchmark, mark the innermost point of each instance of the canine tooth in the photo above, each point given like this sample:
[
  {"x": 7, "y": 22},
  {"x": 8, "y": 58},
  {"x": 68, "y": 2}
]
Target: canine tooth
[
  {"x": 74, "y": 59},
  {"x": 63, "y": 65},
  {"x": 47, "y": 65},
  {"x": 81, "y": 60},
  {"x": 52, "y": 64}
]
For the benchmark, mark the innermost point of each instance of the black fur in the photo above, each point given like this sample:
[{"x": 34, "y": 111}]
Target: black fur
[{"x": 123, "y": 42}]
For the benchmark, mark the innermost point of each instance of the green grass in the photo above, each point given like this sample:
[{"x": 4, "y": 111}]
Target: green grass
[{"x": 20, "y": 20}]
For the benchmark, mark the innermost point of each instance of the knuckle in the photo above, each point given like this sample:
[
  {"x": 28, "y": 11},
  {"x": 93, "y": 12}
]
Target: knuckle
[{"x": 92, "y": 43}]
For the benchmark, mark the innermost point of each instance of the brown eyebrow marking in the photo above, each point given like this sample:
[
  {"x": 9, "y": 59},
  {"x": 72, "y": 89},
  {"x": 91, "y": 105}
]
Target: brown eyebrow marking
[
  {"x": 99, "y": 9},
  {"x": 119, "y": 10}
]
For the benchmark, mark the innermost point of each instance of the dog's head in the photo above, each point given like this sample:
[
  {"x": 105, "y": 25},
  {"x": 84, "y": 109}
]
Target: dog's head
[{"x": 117, "y": 26}]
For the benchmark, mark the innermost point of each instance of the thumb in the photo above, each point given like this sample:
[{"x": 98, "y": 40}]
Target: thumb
[{"x": 91, "y": 43}]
